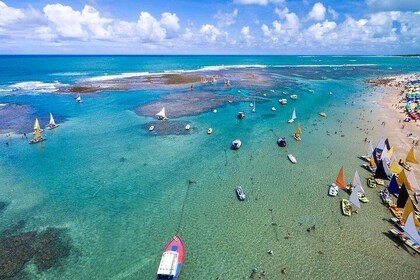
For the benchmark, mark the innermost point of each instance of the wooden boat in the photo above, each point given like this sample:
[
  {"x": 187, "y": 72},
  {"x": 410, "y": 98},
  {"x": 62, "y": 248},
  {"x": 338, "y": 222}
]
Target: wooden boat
[
  {"x": 371, "y": 182},
  {"x": 38, "y": 135},
  {"x": 240, "y": 193},
  {"x": 291, "y": 158},
  {"x": 281, "y": 142},
  {"x": 297, "y": 133},
  {"x": 410, "y": 236},
  {"x": 323, "y": 114},
  {"x": 379, "y": 182},
  {"x": 407, "y": 241},
  {"x": 161, "y": 115},
  {"x": 333, "y": 190},
  {"x": 346, "y": 207},
  {"x": 292, "y": 119},
  {"x": 405, "y": 165},
  {"x": 236, "y": 144},
  {"x": 172, "y": 260},
  {"x": 385, "y": 197},
  {"x": 369, "y": 153},
  {"x": 362, "y": 197},
  {"x": 52, "y": 124}
]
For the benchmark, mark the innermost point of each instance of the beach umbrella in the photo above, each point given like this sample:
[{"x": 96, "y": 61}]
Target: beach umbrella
[{"x": 407, "y": 106}]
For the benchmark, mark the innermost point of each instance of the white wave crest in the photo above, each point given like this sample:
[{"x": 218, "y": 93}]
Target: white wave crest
[
  {"x": 69, "y": 74},
  {"x": 323, "y": 65},
  {"x": 36, "y": 86},
  {"x": 117, "y": 76}
]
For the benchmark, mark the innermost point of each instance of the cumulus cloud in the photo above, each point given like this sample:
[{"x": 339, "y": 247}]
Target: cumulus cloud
[
  {"x": 9, "y": 14},
  {"x": 246, "y": 35},
  {"x": 211, "y": 33},
  {"x": 318, "y": 30},
  {"x": 317, "y": 12},
  {"x": 170, "y": 22},
  {"x": 226, "y": 19},
  {"x": 149, "y": 29}
]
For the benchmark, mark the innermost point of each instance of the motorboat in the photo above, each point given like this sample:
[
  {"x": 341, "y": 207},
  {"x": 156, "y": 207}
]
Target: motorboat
[
  {"x": 291, "y": 158},
  {"x": 240, "y": 193},
  {"x": 333, "y": 190},
  {"x": 281, "y": 142},
  {"x": 241, "y": 115},
  {"x": 273, "y": 109},
  {"x": 172, "y": 260},
  {"x": 346, "y": 207},
  {"x": 323, "y": 114},
  {"x": 187, "y": 127},
  {"x": 236, "y": 144},
  {"x": 283, "y": 101},
  {"x": 151, "y": 128},
  {"x": 209, "y": 131},
  {"x": 293, "y": 96}
]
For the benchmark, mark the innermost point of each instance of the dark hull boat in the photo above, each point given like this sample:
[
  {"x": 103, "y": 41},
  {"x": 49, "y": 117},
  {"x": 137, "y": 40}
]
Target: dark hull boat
[{"x": 281, "y": 142}]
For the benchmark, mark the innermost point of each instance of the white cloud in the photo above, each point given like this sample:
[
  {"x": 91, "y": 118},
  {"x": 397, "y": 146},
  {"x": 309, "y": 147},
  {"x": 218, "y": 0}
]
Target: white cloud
[
  {"x": 170, "y": 22},
  {"x": 317, "y": 12},
  {"x": 258, "y": 2},
  {"x": 211, "y": 33},
  {"x": 9, "y": 14},
  {"x": 319, "y": 30},
  {"x": 246, "y": 35},
  {"x": 226, "y": 19},
  {"x": 149, "y": 29},
  {"x": 333, "y": 13}
]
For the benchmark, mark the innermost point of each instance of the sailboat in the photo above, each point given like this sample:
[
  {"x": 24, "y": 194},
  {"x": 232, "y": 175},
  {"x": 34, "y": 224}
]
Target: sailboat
[
  {"x": 37, "y": 131},
  {"x": 361, "y": 193},
  {"x": 162, "y": 115},
  {"x": 298, "y": 133},
  {"x": 339, "y": 182},
  {"x": 354, "y": 197},
  {"x": 253, "y": 108},
  {"x": 79, "y": 99},
  {"x": 409, "y": 235},
  {"x": 52, "y": 123},
  {"x": 293, "y": 116},
  {"x": 369, "y": 152},
  {"x": 411, "y": 157}
]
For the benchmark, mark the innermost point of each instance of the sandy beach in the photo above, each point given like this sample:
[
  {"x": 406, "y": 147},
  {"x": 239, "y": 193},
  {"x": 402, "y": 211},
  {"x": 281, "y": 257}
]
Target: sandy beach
[{"x": 402, "y": 135}]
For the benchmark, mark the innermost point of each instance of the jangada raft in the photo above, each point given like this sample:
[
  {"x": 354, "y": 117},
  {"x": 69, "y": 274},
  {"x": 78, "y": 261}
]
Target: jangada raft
[{"x": 172, "y": 260}]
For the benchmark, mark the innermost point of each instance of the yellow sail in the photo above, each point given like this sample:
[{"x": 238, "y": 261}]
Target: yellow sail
[
  {"x": 38, "y": 134},
  {"x": 402, "y": 179},
  {"x": 409, "y": 208},
  {"x": 298, "y": 130},
  {"x": 411, "y": 157},
  {"x": 395, "y": 168},
  {"x": 36, "y": 125},
  {"x": 372, "y": 162},
  {"x": 390, "y": 152},
  {"x": 340, "y": 179}
]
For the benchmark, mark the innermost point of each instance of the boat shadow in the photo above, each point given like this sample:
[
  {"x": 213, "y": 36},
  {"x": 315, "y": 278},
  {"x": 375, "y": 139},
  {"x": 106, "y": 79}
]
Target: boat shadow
[{"x": 399, "y": 244}]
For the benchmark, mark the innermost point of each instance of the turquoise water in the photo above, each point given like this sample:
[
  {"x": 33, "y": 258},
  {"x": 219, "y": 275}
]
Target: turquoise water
[{"x": 122, "y": 193}]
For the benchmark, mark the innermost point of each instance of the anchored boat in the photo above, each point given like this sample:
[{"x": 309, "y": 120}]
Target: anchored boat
[{"x": 172, "y": 260}]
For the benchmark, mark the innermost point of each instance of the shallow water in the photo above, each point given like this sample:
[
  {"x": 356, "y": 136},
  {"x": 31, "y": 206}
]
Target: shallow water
[{"x": 122, "y": 193}]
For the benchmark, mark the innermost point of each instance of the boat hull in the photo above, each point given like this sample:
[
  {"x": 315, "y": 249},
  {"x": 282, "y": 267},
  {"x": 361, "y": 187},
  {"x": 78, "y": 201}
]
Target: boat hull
[
  {"x": 292, "y": 158},
  {"x": 177, "y": 245},
  {"x": 36, "y": 141},
  {"x": 346, "y": 207}
]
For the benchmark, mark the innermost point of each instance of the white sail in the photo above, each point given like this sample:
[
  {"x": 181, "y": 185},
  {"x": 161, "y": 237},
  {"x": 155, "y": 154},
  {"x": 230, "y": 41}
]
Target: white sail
[
  {"x": 354, "y": 197},
  {"x": 52, "y": 121},
  {"x": 78, "y": 98},
  {"x": 413, "y": 182},
  {"x": 36, "y": 125},
  {"x": 370, "y": 149},
  {"x": 381, "y": 144},
  {"x": 384, "y": 154},
  {"x": 411, "y": 230},
  {"x": 357, "y": 181},
  {"x": 294, "y": 114},
  {"x": 162, "y": 114}
]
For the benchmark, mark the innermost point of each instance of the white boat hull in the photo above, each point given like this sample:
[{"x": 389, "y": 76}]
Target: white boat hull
[{"x": 292, "y": 158}]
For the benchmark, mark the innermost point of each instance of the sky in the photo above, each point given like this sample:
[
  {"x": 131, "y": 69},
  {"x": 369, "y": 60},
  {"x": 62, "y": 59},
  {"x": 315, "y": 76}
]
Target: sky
[{"x": 278, "y": 27}]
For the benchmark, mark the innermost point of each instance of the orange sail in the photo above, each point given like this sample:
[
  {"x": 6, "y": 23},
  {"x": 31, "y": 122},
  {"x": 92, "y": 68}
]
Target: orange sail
[
  {"x": 411, "y": 157},
  {"x": 409, "y": 208},
  {"x": 340, "y": 179}
]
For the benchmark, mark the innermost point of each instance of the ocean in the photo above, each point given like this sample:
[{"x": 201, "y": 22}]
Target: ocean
[{"x": 119, "y": 192}]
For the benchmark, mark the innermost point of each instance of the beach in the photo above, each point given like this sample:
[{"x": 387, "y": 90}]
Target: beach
[{"x": 112, "y": 193}]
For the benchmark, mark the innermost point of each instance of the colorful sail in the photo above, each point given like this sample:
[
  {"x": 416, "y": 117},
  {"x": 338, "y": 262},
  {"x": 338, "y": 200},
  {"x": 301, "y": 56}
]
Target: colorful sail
[
  {"x": 382, "y": 171},
  {"x": 395, "y": 167},
  {"x": 38, "y": 134},
  {"x": 36, "y": 125},
  {"x": 402, "y": 197},
  {"x": 298, "y": 130},
  {"x": 413, "y": 182},
  {"x": 409, "y": 208},
  {"x": 403, "y": 180},
  {"x": 411, "y": 156},
  {"x": 340, "y": 179},
  {"x": 372, "y": 162},
  {"x": 393, "y": 186},
  {"x": 411, "y": 230},
  {"x": 390, "y": 152}
]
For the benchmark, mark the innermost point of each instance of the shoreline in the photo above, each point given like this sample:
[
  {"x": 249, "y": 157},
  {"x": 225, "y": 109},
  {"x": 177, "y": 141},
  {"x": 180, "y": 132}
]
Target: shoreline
[{"x": 391, "y": 111}]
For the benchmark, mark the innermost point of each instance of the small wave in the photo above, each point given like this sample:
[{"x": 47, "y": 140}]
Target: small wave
[
  {"x": 324, "y": 65},
  {"x": 117, "y": 76},
  {"x": 69, "y": 74},
  {"x": 35, "y": 86}
]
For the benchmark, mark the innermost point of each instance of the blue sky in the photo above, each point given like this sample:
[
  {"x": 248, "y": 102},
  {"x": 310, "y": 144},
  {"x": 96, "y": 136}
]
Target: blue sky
[{"x": 209, "y": 27}]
